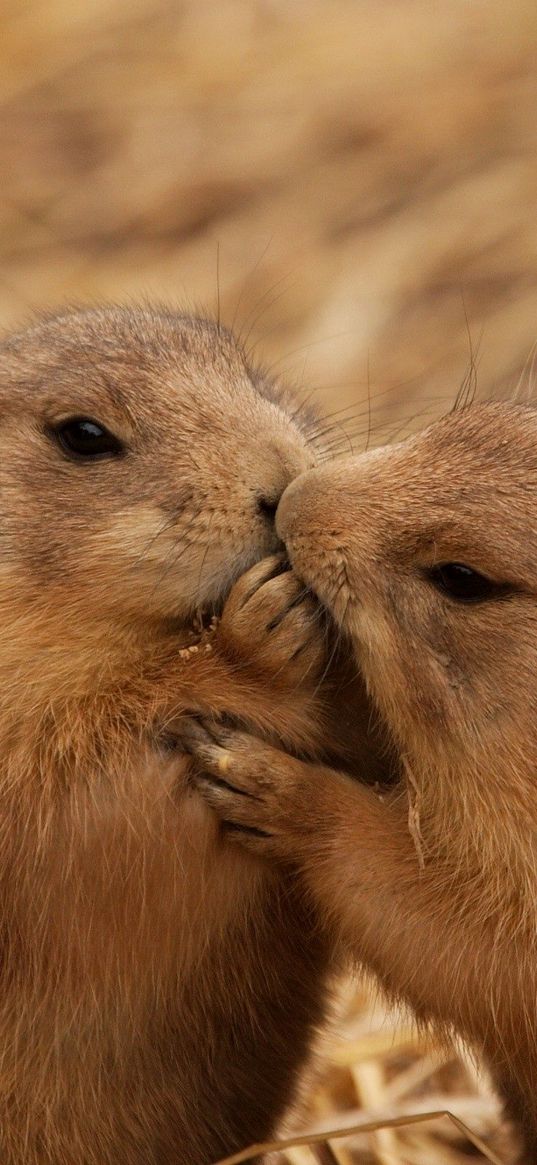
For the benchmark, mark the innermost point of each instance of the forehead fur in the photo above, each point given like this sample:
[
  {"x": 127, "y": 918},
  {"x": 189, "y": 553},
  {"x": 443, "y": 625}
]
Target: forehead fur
[
  {"x": 107, "y": 350},
  {"x": 491, "y": 438},
  {"x": 465, "y": 489}
]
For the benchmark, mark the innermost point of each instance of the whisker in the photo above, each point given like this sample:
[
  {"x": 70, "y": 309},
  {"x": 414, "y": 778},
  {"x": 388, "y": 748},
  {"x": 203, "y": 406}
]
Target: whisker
[
  {"x": 306, "y": 348},
  {"x": 173, "y": 559},
  {"x": 329, "y": 662},
  {"x": 206, "y": 551},
  {"x": 468, "y": 389},
  {"x": 265, "y": 335},
  {"x": 256, "y": 315},
  {"x": 248, "y": 280},
  {"x": 394, "y": 433},
  {"x": 530, "y": 359},
  {"x": 168, "y": 524}
]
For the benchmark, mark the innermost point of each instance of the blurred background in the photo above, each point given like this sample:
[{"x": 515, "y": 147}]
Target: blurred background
[{"x": 354, "y": 183}]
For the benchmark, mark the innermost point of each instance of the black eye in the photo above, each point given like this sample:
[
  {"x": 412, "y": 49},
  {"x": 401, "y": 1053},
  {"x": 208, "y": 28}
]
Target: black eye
[
  {"x": 463, "y": 584},
  {"x": 82, "y": 438}
]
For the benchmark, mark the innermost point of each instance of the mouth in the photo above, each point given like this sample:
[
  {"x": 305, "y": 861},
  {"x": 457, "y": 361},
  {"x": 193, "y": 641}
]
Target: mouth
[
  {"x": 207, "y": 617},
  {"x": 198, "y": 627}
]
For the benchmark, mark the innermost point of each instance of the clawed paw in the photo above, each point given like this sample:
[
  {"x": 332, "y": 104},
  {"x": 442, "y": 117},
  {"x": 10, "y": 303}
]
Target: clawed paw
[
  {"x": 272, "y": 622},
  {"x": 247, "y": 783}
]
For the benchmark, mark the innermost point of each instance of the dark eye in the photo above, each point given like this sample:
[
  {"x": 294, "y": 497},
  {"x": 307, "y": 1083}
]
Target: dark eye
[
  {"x": 463, "y": 584},
  {"x": 83, "y": 438}
]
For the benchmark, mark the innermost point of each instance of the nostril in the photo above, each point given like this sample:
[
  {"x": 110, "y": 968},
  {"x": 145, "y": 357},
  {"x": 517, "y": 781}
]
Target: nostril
[{"x": 267, "y": 508}]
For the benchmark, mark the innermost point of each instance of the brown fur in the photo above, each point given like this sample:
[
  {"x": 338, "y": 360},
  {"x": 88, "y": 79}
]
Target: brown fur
[
  {"x": 434, "y": 886},
  {"x": 157, "y": 990}
]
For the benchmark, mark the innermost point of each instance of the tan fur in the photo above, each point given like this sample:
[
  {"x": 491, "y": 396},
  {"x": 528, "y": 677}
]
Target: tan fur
[
  {"x": 433, "y": 886},
  {"x": 158, "y": 990}
]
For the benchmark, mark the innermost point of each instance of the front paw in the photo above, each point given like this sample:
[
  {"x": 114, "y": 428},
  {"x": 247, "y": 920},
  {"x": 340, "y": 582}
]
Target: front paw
[
  {"x": 259, "y": 792},
  {"x": 272, "y": 623}
]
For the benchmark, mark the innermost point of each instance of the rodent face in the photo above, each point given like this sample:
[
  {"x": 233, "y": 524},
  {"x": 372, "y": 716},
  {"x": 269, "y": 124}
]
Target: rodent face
[
  {"x": 371, "y": 534},
  {"x": 182, "y": 502}
]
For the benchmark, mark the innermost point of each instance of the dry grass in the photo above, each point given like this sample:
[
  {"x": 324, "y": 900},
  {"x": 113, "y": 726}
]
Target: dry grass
[
  {"x": 405, "y": 1101},
  {"x": 357, "y": 177}
]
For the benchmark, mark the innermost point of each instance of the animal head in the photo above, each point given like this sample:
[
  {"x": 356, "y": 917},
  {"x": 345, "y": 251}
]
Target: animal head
[
  {"x": 142, "y": 463},
  {"x": 425, "y": 552}
]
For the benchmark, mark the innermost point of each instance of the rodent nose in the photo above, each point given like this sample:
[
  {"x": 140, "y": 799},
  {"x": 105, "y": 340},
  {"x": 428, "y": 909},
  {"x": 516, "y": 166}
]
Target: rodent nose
[
  {"x": 267, "y": 507},
  {"x": 287, "y": 507},
  {"x": 287, "y": 467}
]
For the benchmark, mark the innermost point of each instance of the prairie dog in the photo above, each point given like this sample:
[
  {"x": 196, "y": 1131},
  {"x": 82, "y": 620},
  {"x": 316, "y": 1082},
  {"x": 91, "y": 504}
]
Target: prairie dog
[
  {"x": 425, "y": 553},
  {"x": 157, "y": 990}
]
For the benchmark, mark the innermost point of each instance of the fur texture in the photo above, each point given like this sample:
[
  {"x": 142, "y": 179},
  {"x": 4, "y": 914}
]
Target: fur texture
[
  {"x": 158, "y": 990},
  {"x": 433, "y": 886}
]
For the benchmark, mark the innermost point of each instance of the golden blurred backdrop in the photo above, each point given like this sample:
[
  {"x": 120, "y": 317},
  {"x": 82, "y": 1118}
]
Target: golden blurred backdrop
[
  {"x": 362, "y": 173},
  {"x": 354, "y": 182}
]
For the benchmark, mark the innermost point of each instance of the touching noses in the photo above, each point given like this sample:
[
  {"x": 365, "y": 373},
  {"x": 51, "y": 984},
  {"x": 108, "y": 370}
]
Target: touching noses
[
  {"x": 267, "y": 507},
  {"x": 288, "y": 464},
  {"x": 291, "y": 509}
]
